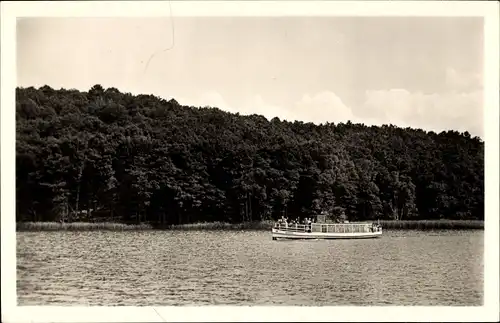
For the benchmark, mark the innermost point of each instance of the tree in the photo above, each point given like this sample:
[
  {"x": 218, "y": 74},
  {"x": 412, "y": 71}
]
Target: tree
[{"x": 140, "y": 158}]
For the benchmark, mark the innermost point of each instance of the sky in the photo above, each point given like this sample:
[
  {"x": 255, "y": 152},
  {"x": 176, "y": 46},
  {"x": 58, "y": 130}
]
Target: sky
[{"x": 420, "y": 72}]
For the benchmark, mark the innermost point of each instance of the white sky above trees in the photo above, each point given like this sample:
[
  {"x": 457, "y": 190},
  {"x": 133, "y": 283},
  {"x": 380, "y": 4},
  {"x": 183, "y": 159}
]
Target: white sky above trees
[{"x": 420, "y": 72}]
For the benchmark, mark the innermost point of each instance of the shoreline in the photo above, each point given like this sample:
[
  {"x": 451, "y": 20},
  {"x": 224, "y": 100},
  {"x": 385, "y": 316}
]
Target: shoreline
[{"x": 404, "y": 225}]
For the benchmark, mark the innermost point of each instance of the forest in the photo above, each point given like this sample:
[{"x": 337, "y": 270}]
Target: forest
[{"x": 104, "y": 155}]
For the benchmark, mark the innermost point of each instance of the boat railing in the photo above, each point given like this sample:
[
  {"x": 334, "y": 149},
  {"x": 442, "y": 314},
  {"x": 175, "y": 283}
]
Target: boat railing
[
  {"x": 328, "y": 227},
  {"x": 293, "y": 227}
]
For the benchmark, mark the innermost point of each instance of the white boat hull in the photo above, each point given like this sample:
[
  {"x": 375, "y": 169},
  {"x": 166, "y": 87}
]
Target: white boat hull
[{"x": 282, "y": 234}]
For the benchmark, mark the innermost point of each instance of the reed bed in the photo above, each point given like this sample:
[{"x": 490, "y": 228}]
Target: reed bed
[
  {"x": 254, "y": 226},
  {"x": 109, "y": 226},
  {"x": 423, "y": 225},
  {"x": 80, "y": 226},
  {"x": 433, "y": 225}
]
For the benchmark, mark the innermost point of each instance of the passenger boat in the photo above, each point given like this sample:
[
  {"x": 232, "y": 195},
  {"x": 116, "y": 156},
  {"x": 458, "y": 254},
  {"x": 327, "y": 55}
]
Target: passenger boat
[{"x": 326, "y": 231}]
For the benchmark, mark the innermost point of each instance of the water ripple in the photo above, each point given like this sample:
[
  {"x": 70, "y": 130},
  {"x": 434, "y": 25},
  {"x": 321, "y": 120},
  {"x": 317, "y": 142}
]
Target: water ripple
[{"x": 248, "y": 268}]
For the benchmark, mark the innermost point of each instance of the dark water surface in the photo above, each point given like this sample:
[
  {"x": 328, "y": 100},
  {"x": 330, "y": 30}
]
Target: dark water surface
[{"x": 248, "y": 268}]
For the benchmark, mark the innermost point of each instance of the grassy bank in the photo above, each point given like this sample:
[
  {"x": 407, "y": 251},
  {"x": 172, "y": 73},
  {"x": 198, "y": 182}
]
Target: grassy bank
[
  {"x": 262, "y": 225},
  {"x": 106, "y": 226},
  {"x": 80, "y": 226},
  {"x": 433, "y": 225}
]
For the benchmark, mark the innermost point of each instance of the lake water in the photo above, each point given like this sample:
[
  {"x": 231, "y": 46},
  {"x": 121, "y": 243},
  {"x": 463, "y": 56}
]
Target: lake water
[{"x": 248, "y": 268}]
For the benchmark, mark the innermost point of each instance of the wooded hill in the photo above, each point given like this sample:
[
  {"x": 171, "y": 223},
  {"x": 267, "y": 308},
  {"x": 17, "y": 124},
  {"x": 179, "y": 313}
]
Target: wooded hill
[{"x": 102, "y": 153}]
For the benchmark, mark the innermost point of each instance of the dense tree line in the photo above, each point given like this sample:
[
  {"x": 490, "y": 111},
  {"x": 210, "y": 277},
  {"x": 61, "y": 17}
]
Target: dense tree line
[{"x": 105, "y": 154}]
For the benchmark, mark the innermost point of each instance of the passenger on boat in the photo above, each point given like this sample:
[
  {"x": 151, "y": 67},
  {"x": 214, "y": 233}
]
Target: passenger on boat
[{"x": 309, "y": 225}]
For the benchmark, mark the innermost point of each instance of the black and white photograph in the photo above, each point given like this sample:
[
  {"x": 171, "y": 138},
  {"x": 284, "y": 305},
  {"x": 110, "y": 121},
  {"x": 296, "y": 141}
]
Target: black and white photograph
[{"x": 200, "y": 155}]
